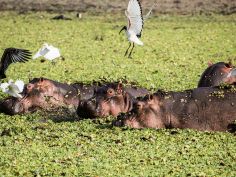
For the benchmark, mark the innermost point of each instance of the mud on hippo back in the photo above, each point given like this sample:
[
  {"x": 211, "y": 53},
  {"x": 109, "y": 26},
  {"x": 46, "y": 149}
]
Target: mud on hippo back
[{"x": 217, "y": 74}]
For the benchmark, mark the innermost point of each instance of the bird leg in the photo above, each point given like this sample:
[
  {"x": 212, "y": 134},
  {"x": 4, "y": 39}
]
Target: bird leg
[
  {"x": 127, "y": 49},
  {"x": 131, "y": 51}
]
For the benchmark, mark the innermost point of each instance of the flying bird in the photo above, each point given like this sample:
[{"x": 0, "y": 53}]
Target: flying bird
[
  {"x": 13, "y": 89},
  {"x": 12, "y": 55},
  {"x": 48, "y": 52},
  {"x": 135, "y": 24}
]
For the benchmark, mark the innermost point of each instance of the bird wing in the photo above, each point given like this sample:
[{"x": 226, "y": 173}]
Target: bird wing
[
  {"x": 41, "y": 52},
  {"x": 14, "y": 91},
  {"x": 13, "y": 55},
  {"x": 4, "y": 87},
  {"x": 53, "y": 53},
  {"x": 135, "y": 17},
  {"x": 20, "y": 84},
  {"x": 149, "y": 12}
]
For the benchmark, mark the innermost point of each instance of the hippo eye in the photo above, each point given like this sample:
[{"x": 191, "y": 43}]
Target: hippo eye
[
  {"x": 139, "y": 106},
  {"x": 29, "y": 86},
  {"x": 110, "y": 92}
]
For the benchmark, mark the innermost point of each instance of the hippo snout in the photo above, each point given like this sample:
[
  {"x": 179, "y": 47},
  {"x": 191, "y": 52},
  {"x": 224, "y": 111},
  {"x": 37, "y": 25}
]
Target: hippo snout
[
  {"x": 119, "y": 122},
  {"x": 86, "y": 109},
  {"x": 10, "y": 106}
]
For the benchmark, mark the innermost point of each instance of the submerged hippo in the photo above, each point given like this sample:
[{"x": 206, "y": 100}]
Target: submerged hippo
[
  {"x": 110, "y": 99},
  {"x": 46, "y": 94},
  {"x": 217, "y": 74},
  {"x": 205, "y": 108}
]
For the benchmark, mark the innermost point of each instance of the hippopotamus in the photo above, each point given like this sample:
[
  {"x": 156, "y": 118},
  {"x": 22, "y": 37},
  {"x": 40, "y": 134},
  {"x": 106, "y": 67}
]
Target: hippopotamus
[
  {"x": 110, "y": 99},
  {"x": 46, "y": 94},
  {"x": 217, "y": 74},
  {"x": 205, "y": 109}
]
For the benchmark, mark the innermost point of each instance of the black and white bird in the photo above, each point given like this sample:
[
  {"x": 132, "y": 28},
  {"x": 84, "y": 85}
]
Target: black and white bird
[
  {"x": 12, "y": 55},
  {"x": 135, "y": 24}
]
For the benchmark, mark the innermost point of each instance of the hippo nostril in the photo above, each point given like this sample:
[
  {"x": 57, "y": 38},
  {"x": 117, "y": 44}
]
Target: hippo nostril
[
  {"x": 118, "y": 123},
  {"x": 81, "y": 103}
]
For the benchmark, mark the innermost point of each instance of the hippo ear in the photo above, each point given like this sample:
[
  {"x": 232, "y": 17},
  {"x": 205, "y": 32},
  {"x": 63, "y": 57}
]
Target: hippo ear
[
  {"x": 150, "y": 97},
  {"x": 210, "y": 63},
  {"x": 230, "y": 64},
  {"x": 41, "y": 79},
  {"x": 119, "y": 88}
]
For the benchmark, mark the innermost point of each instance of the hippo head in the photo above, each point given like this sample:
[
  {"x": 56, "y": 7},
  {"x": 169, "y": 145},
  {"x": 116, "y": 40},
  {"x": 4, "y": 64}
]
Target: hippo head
[
  {"x": 146, "y": 112},
  {"x": 215, "y": 74},
  {"x": 109, "y": 99},
  {"x": 8, "y": 106},
  {"x": 40, "y": 93}
]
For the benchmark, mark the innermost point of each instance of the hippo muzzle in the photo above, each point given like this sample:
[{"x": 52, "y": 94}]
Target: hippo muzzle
[{"x": 11, "y": 106}]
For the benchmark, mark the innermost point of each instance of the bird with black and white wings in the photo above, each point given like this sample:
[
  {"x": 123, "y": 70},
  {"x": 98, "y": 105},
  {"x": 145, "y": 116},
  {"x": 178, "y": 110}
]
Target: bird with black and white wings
[
  {"x": 135, "y": 24},
  {"x": 12, "y": 55}
]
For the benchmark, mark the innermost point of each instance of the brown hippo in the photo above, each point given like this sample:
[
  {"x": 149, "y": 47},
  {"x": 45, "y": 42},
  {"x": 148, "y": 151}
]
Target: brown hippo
[
  {"x": 217, "y": 74},
  {"x": 205, "y": 108},
  {"x": 46, "y": 94},
  {"x": 110, "y": 99}
]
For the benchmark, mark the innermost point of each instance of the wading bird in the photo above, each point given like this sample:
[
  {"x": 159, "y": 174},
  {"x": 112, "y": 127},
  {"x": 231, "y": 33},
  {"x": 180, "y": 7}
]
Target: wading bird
[
  {"x": 48, "y": 52},
  {"x": 135, "y": 24},
  {"x": 13, "y": 89},
  {"x": 12, "y": 55}
]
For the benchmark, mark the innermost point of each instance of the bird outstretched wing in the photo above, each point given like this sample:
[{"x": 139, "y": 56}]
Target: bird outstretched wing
[
  {"x": 13, "y": 55},
  {"x": 135, "y": 17},
  {"x": 48, "y": 52}
]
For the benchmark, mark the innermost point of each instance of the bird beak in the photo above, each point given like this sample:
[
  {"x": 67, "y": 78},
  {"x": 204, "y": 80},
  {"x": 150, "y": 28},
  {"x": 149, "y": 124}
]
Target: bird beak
[{"x": 122, "y": 29}]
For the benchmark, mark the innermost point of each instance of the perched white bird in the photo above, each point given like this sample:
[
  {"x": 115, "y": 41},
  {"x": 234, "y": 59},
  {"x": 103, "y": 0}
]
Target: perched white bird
[
  {"x": 13, "y": 89},
  {"x": 48, "y": 52}
]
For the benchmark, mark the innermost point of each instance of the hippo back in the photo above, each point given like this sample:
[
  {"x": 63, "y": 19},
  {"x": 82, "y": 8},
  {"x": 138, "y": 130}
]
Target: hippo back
[{"x": 215, "y": 74}]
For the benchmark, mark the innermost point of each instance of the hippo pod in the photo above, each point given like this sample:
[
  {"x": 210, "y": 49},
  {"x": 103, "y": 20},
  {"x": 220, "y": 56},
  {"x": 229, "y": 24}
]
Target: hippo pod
[
  {"x": 110, "y": 99},
  {"x": 46, "y": 94},
  {"x": 205, "y": 108}
]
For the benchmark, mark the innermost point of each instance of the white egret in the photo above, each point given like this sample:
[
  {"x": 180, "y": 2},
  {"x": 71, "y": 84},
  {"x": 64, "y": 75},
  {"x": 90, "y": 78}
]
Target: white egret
[
  {"x": 48, "y": 52},
  {"x": 12, "y": 55},
  {"x": 13, "y": 89}
]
